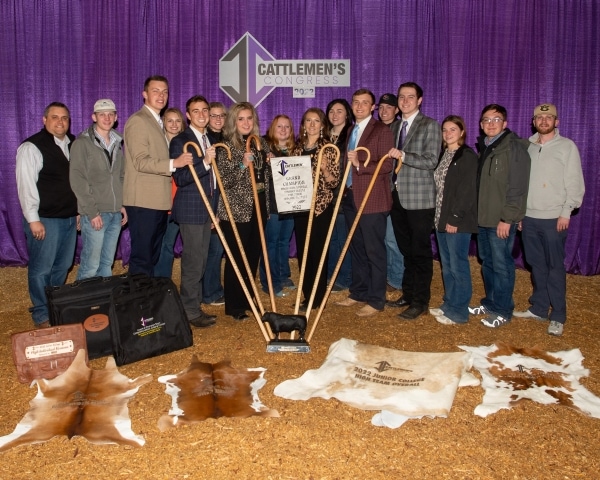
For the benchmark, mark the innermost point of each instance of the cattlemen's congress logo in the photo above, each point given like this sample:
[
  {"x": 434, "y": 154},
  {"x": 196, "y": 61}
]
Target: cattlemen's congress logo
[{"x": 249, "y": 73}]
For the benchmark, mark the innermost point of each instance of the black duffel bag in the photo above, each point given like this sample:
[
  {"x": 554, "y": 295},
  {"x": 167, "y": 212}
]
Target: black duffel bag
[
  {"x": 147, "y": 319},
  {"x": 87, "y": 302}
]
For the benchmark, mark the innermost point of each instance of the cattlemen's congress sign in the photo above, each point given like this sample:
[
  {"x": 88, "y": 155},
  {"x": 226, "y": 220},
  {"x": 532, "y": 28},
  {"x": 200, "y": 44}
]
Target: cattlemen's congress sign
[{"x": 248, "y": 72}]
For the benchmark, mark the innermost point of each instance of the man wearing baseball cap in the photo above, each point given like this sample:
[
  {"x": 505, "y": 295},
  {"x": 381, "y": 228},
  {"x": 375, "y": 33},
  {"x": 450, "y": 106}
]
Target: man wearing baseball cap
[
  {"x": 96, "y": 176},
  {"x": 388, "y": 113},
  {"x": 387, "y": 110},
  {"x": 556, "y": 188}
]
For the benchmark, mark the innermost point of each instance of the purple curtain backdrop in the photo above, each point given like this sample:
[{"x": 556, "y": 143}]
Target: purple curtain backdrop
[{"x": 465, "y": 54}]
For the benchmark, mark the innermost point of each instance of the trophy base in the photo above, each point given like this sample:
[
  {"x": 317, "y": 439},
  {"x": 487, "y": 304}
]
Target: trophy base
[{"x": 288, "y": 346}]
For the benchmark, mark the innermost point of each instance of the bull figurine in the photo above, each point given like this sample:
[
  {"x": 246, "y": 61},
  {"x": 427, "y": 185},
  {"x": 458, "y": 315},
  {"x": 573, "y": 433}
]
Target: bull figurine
[{"x": 286, "y": 323}]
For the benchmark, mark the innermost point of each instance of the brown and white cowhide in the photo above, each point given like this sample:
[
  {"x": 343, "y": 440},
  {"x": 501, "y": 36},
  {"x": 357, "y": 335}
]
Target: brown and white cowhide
[
  {"x": 80, "y": 402},
  {"x": 511, "y": 375},
  {"x": 205, "y": 390}
]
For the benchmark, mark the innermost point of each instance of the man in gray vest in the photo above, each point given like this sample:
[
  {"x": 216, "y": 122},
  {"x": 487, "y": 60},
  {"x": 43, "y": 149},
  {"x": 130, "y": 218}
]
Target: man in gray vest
[{"x": 49, "y": 206}]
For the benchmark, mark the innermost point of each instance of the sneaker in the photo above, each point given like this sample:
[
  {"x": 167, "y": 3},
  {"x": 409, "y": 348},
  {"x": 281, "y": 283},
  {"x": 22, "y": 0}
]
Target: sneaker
[
  {"x": 494, "y": 321},
  {"x": 338, "y": 288},
  {"x": 218, "y": 301},
  {"x": 528, "y": 314},
  {"x": 289, "y": 284},
  {"x": 444, "y": 320},
  {"x": 480, "y": 310},
  {"x": 280, "y": 294},
  {"x": 555, "y": 328},
  {"x": 436, "y": 312}
]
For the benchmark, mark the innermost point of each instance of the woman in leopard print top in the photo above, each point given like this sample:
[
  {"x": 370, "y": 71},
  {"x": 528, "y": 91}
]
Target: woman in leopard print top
[
  {"x": 242, "y": 121},
  {"x": 314, "y": 134}
]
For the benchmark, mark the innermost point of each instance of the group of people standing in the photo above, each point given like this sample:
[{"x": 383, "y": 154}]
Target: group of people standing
[{"x": 429, "y": 178}]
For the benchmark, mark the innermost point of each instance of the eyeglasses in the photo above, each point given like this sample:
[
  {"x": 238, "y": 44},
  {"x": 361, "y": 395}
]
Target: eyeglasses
[
  {"x": 214, "y": 115},
  {"x": 492, "y": 120}
]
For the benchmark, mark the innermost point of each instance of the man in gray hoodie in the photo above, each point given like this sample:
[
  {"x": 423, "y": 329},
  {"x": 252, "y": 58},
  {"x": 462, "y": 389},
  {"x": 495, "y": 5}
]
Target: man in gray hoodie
[
  {"x": 96, "y": 176},
  {"x": 556, "y": 188}
]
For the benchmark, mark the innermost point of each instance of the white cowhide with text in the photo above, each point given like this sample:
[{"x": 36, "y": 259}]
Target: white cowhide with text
[{"x": 402, "y": 385}]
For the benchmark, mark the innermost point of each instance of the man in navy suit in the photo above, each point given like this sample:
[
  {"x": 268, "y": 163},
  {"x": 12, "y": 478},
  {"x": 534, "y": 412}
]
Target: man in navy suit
[
  {"x": 189, "y": 210},
  {"x": 418, "y": 141},
  {"x": 369, "y": 259}
]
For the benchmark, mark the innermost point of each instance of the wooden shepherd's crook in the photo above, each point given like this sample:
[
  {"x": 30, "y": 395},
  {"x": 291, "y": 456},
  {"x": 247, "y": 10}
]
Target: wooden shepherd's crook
[
  {"x": 350, "y": 234},
  {"x": 218, "y": 227},
  {"x": 261, "y": 229},
  {"x": 329, "y": 232}
]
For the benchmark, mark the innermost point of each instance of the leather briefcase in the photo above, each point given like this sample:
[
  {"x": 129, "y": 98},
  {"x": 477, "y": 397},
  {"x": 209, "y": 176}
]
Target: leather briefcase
[
  {"x": 87, "y": 302},
  {"x": 46, "y": 352}
]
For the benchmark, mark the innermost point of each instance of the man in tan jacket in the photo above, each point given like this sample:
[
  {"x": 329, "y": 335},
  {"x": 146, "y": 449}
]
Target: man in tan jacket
[{"x": 148, "y": 169}]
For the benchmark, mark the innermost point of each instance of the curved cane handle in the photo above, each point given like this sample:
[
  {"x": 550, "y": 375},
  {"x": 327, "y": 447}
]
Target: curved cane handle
[
  {"x": 399, "y": 165},
  {"x": 192, "y": 144},
  {"x": 225, "y": 147},
  {"x": 364, "y": 149},
  {"x": 330, "y": 145},
  {"x": 256, "y": 143}
]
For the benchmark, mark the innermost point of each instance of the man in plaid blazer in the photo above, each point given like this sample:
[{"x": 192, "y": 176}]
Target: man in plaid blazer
[{"x": 418, "y": 141}]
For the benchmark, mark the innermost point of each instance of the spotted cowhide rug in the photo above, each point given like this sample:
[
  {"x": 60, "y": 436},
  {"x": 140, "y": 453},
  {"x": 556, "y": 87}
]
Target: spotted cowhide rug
[
  {"x": 205, "y": 390},
  {"x": 80, "y": 402},
  {"x": 511, "y": 375}
]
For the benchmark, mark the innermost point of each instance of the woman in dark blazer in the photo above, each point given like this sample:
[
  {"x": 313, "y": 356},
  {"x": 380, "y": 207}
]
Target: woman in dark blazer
[{"x": 455, "y": 220}]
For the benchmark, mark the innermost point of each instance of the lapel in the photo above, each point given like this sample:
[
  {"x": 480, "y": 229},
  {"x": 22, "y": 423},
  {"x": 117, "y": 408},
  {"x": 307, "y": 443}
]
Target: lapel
[
  {"x": 366, "y": 133},
  {"x": 413, "y": 128},
  {"x": 153, "y": 123}
]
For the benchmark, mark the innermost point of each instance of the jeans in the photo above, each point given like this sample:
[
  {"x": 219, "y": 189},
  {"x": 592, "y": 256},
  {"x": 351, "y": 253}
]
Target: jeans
[
  {"x": 395, "y": 260},
  {"x": 212, "y": 288},
  {"x": 49, "y": 260},
  {"x": 498, "y": 269},
  {"x": 544, "y": 248},
  {"x": 99, "y": 246},
  {"x": 336, "y": 245},
  {"x": 456, "y": 273},
  {"x": 277, "y": 235},
  {"x": 164, "y": 267}
]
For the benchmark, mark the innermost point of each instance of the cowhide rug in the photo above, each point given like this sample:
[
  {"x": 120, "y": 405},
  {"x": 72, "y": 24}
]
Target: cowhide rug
[
  {"x": 80, "y": 402},
  {"x": 403, "y": 385},
  {"x": 511, "y": 375},
  {"x": 205, "y": 390}
]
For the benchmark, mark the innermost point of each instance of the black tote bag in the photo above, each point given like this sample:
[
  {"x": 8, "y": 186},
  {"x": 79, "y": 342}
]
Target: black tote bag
[{"x": 147, "y": 319}]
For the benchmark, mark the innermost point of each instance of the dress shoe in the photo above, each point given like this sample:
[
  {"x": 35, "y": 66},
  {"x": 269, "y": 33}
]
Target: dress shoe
[
  {"x": 203, "y": 321},
  {"x": 413, "y": 312},
  {"x": 401, "y": 302},
  {"x": 347, "y": 302},
  {"x": 367, "y": 311},
  {"x": 240, "y": 317}
]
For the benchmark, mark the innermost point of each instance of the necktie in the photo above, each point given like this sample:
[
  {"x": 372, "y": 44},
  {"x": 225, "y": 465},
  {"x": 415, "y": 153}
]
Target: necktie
[
  {"x": 160, "y": 122},
  {"x": 400, "y": 144},
  {"x": 352, "y": 146},
  {"x": 402, "y": 135}
]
